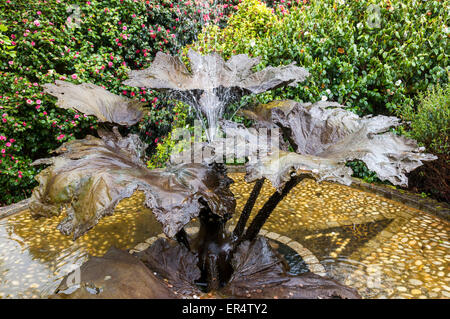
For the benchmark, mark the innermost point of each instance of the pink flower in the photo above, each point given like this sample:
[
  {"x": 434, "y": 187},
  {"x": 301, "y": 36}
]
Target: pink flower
[
  {"x": 37, "y": 23},
  {"x": 10, "y": 62},
  {"x": 110, "y": 64},
  {"x": 39, "y": 12},
  {"x": 3, "y": 151},
  {"x": 33, "y": 43},
  {"x": 29, "y": 101},
  {"x": 74, "y": 76},
  {"x": 2, "y": 138},
  {"x": 124, "y": 28},
  {"x": 8, "y": 144},
  {"x": 12, "y": 140},
  {"x": 38, "y": 107},
  {"x": 38, "y": 101}
]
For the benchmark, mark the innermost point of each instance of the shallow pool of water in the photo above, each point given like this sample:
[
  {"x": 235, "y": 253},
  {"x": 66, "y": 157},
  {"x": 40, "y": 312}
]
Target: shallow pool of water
[{"x": 383, "y": 248}]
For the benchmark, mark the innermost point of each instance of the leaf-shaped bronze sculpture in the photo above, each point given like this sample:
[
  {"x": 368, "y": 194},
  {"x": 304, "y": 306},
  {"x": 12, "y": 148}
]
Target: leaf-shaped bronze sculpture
[
  {"x": 92, "y": 175},
  {"x": 92, "y": 99},
  {"x": 209, "y": 72},
  {"x": 179, "y": 265},
  {"x": 326, "y": 136},
  {"x": 279, "y": 166},
  {"x": 213, "y": 83}
]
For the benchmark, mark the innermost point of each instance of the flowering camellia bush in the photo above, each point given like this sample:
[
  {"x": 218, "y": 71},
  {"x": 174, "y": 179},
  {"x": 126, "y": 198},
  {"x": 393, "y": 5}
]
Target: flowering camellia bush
[{"x": 81, "y": 41}]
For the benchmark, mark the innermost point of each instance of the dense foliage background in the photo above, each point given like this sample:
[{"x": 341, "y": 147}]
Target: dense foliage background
[{"x": 380, "y": 59}]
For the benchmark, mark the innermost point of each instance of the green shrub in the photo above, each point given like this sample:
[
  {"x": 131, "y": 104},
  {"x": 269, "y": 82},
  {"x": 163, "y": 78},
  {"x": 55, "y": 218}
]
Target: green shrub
[
  {"x": 370, "y": 69},
  {"x": 429, "y": 124}
]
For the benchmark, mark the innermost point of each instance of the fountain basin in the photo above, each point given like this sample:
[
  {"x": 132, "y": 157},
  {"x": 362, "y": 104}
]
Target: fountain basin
[{"x": 382, "y": 247}]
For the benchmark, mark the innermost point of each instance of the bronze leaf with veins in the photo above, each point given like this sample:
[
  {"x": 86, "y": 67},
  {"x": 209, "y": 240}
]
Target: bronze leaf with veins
[
  {"x": 91, "y": 99},
  {"x": 325, "y": 137},
  {"x": 173, "y": 262},
  {"x": 210, "y": 73},
  {"x": 90, "y": 176}
]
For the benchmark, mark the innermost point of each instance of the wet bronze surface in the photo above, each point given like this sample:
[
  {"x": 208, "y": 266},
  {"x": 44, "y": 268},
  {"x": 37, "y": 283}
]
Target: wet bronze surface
[
  {"x": 92, "y": 99},
  {"x": 90, "y": 176}
]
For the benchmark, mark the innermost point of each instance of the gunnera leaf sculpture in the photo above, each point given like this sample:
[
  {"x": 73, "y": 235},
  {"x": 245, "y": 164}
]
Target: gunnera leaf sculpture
[
  {"x": 90, "y": 176},
  {"x": 212, "y": 82},
  {"x": 326, "y": 136}
]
